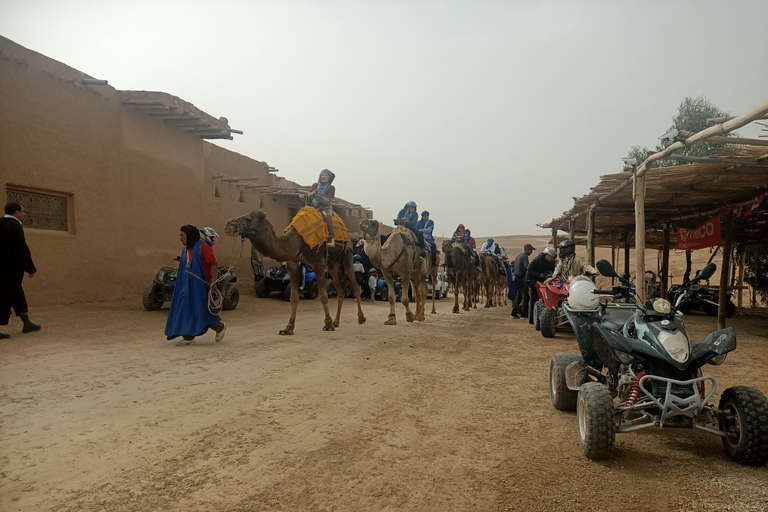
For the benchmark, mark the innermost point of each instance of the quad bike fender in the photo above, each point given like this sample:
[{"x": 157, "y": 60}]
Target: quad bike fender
[
  {"x": 576, "y": 374},
  {"x": 581, "y": 323},
  {"x": 607, "y": 341},
  {"x": 715, "y": 344}
]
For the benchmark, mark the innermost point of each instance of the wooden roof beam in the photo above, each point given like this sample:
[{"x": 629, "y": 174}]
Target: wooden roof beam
[
  {"x": 718, "y": 120},
  {"x": 715, "y": 160},
  {"x": 239, "y": 179}
]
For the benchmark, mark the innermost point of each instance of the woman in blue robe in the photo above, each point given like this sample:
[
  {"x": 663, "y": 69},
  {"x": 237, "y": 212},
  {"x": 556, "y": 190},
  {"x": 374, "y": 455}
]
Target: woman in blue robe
[{"x": 189, "y": 315}]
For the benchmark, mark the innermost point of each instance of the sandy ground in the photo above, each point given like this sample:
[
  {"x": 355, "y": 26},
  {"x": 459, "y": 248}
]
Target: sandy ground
[{"x": 100, "y": 412}]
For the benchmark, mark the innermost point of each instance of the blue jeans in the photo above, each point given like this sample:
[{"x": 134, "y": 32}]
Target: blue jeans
[{"x": 373, "y": 292}]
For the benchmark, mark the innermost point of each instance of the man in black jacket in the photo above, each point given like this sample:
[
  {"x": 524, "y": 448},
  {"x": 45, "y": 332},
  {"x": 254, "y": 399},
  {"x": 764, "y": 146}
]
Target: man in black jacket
[
  {"x": 520, "y": 305},
  {"x": 539, "y": 269},
  {"x": 15, "y": 259}
]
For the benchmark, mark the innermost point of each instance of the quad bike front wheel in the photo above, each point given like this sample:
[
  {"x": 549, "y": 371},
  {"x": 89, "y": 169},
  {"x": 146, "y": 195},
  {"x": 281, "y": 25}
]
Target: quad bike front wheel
[
  {"x": 262, "y": 289},
  {"x": 563, "y": 398},
  {"x": 547, "y": 322},
  {"x": 596, "y": 425},
  {"x": 311, "y": 290},
  {"x": 538, "y": 306},
  {"x": 149, "y": 298},
  {"x": 745, "y": 420}
]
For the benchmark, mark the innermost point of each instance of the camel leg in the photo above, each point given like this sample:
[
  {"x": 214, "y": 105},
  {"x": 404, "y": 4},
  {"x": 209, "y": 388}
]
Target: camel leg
[
  {"x": 348, "y": 261},
  {"x": 333, "y": 269},
  {"x": 409, "y": 316},
  {"x": 319, "y": 267},
  {"x": 456, "y": 293},
  {"x": 293, "y": 272},
  {"x": 420, "y": 295},
  {"x": 433, "y": 275},
  {"x": 488, "y": 293},
  {"x": 392, "y": 320}
]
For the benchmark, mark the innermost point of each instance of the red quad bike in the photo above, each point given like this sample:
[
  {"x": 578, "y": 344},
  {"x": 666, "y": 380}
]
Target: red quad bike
[{"x": 548, "y": 314}]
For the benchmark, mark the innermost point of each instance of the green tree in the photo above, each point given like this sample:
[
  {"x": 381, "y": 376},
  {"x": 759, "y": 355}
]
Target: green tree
[
  {"x": 692, "y": 115},
  {"x": 756, "y": 268}
]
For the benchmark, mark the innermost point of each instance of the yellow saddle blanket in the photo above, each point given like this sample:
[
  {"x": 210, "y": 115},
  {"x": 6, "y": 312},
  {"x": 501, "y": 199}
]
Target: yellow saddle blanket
[
  {"x": 408, "y": 237},
  {"x": 309, "y": 223}
]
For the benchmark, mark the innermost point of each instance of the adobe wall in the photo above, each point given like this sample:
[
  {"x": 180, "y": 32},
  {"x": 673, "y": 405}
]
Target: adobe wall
[{"x": 133, "y": 179}]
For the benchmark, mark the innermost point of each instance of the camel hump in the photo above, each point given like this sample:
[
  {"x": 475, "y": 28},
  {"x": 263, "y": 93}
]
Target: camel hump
[
  {"x": 462, "y": 247},
  {"x": 311, "y": 226}
]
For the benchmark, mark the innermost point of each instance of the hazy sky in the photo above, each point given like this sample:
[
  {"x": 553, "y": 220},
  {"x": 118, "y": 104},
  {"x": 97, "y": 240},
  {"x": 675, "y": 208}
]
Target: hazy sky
[{"x": 488, "y": 113}]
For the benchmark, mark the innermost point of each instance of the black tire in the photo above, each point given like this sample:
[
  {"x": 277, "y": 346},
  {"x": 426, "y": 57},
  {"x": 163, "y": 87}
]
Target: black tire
[
  {"x": 311, "y": 290},
  {"x": 445, "y": 294},
  {"x": 262, "y": 289},
  {"x": 287, "y": 293},
  {"x": 231, "y": 297},
  {"x": 348, "y": 288},
  {"x": 384, "y": 294},
  {"x": 730, "y": 309},
  {"x": 748, "y": 409},
  {"x": 330, "y": 288},
  {"x": 149, "y": 298},
  {"x": 547, "y": 325},
  {"x": 537, "y": 307},
  {"x": 563, "y": 398},
  {"x": 711, "y": 311},
  {"x": 595, "y": 421}
]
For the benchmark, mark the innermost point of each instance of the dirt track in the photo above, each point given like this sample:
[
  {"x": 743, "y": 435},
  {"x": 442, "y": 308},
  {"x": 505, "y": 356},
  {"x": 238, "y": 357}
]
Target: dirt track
[{"x": 100, "y": 412}]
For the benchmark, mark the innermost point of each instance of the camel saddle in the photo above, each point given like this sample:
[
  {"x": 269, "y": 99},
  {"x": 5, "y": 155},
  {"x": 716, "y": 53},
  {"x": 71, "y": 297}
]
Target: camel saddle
[
  {"x": 310, "y": 224},
  {"x": 406, "y": 234},
  {"x": 462, "y": 247},
  {"x": 498, "y": 262}
]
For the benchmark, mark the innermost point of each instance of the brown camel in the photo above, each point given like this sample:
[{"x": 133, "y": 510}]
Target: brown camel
[
  {"x": 490, "y": 279},
  {"x": 461, "y": 268},
  {"x": 291, "y": 248},
  {"x": 397, "y": 257},
  {"x": 431, "y": 270}
]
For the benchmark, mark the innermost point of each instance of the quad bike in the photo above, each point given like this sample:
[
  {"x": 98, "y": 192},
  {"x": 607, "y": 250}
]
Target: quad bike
[
  {"x": 161, "y": 289},
  {"x": 548, "y": 314},
  {"x": 278, "y": 280},
  {"x": 638, "y": 369},
  {"x": 702, "y": 299}
]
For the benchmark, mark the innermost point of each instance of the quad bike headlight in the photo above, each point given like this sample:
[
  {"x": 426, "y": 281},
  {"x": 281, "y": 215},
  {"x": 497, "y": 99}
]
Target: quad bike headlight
[
  {"x": 717, "y": 360},
  {"x": 676, "y": 345}
]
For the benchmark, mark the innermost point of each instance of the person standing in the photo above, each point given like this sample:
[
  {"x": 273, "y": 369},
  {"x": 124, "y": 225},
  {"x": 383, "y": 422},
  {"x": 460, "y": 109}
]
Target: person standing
[
  {"x": 426, "y": 226},
  {"x": 15, "y": 259},
  {"x": 373, "y": 282},
  {"x": 190, "y": 315},
  {"x": 539, "y": 269},
  {"x": 520, "y": 304}
]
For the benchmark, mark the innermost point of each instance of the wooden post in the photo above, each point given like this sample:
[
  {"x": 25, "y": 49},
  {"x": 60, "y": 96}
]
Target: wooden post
[
  {"x": 740, "y": 283},
  {"x": 665, "y": 263},
  {"x": 724, "y": 270},
  {"x": 639, "y": 195},
  {"x": 687, "y": 275},
  {"x": 626, "y": 256},
  {"x": 554, "y": 238},
  {"x": 591, "y": 235},
  {"x": 572, "y": 230},
  {"x": 613, "y": 255}
]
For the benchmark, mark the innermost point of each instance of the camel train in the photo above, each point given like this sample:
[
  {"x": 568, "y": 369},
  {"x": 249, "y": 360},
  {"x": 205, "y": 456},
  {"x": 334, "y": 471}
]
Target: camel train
[{"x": 398, "y": 255}]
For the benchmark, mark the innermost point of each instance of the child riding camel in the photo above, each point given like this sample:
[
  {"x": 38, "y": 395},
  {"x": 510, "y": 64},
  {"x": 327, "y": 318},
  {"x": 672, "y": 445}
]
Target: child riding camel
[{"x": 320, "y": 195}]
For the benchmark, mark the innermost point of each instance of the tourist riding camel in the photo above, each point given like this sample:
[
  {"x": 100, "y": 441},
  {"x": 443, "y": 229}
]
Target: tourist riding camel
[
  {"x": 293, "y": 248},
  {"x": 407, "y": 217},
  {"x": 426, "y": 226},
  {"x": 397, "y": 256},
  {"x": 320, "y": 196}
]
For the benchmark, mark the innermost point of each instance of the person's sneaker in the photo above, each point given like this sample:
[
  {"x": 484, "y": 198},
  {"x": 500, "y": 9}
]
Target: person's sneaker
[
  {"x": 30, "y": 328},
  {"x": 185, "y": 340},
  {"x": 220, "y": 333},
  {"x": 516, "y": 317},
  {"x": 4, "y": 336}
]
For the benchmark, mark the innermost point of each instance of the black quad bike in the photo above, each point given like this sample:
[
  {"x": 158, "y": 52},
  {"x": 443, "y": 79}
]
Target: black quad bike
[
  {"x": 638, "y": 369},
  {"x": 702, "y": 299},
  {"x": 276, "y": 279},
  {"x": 160, "y": 290}
]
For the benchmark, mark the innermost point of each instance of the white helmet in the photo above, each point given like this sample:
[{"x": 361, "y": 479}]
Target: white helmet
[
  {"x": 208, "y": 235},
  {"x": 580, "y": 294}
]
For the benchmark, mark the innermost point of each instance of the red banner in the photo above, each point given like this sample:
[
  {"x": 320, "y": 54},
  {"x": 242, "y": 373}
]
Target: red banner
[{"x": 706, "y": 235}]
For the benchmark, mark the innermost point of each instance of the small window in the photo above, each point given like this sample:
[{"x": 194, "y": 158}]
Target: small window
[
  {"x": 42, "y": 210},
  {"x": 242, "y": 197},
  {"x": 216, "y": 192}
]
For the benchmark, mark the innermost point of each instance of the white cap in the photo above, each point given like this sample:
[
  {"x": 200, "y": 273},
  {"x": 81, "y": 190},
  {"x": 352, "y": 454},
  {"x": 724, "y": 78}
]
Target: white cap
[{"x": 550, "y": 251}]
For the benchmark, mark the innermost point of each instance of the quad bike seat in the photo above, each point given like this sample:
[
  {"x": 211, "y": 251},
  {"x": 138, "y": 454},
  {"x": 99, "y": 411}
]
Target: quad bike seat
[{"x": 616, "y": 319}]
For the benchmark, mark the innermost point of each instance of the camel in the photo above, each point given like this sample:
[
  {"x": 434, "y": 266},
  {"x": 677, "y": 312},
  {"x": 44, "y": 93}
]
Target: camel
[
  {"x": 292, "y": 249},
  {"x": 397, "y": 257},
  {"x": 490, "y": 279},
  {"x": 431, "y": 270},
  {"x": 461, "y": 270}
]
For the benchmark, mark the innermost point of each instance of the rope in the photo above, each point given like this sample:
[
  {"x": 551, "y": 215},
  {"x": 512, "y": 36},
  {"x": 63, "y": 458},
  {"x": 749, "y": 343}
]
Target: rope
[{"x": 215, "y": 298}]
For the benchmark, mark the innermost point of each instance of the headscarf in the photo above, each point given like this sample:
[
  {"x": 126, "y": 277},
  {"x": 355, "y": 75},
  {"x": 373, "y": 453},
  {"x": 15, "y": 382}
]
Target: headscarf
[
  {"x": 322, "y": 188},
  {"x": 193, "y": 235}
]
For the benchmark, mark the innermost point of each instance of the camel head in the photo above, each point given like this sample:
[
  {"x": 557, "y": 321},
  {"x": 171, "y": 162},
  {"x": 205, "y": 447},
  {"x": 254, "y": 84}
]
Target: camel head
[
  {"x": 370, "y": 228},
  {"x": 447, "y": 246},
  {"x": 247, "y": 225}
]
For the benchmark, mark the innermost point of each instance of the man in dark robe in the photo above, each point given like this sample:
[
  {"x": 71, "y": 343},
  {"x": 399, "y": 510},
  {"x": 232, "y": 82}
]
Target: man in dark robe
[{"x": 15, "y": 259}]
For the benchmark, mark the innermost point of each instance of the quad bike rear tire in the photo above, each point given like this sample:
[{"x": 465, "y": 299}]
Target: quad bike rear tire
[
  {"x": 730, "y": 309},
  {"x": 311, "y": 291},
  {"x": 348, "y": 289},
  {"x": 537, "y": 307},
  {"x": 148, "y": 299},
  {"x": 287, "y": 293},
  {"x": 262, "y": 290},
  {"x": 595, "y": 421},
  {"x": 547, "y": 325},
  {"x": 749, "y": 410},
  {"x": 563, "y": 398},
  {"x": 384, "y": 294},
  {"x": 231, "y": 297}
]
